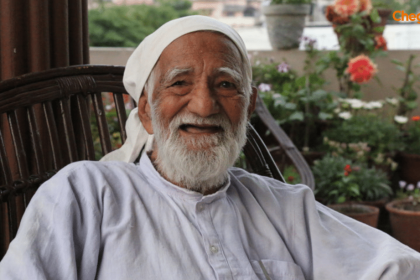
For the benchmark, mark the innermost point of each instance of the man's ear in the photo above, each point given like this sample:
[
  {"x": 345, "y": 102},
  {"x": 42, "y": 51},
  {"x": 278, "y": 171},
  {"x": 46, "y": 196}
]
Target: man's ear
[
  {"x": 145, "y": 112},
  {"x": 252, "y": 101}
]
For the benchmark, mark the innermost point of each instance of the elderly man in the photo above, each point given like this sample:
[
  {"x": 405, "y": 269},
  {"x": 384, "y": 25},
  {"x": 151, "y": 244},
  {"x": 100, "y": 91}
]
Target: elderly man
[{"x": 182, "y": 212}]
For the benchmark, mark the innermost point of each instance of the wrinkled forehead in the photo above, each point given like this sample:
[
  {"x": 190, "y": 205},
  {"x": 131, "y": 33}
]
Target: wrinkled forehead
[{"x": 197, "y": 44}]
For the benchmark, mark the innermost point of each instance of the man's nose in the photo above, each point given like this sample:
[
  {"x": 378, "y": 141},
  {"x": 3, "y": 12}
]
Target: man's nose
[{"x": 203, "y": 101}]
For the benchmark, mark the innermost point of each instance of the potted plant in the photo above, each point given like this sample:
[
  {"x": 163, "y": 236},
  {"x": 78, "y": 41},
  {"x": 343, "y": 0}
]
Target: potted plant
[
  {"x": 297, "y": 102},
  {"x": 285, "y": 22},
  {"x": 367, "y": 139},
  {"x": 358, "y": 25},
  {"x": 342, "y": 185},
  {"x": 405, "y": 215},
  {"x": 410, "y": 126},
  {"x": 410, "y": 158}
]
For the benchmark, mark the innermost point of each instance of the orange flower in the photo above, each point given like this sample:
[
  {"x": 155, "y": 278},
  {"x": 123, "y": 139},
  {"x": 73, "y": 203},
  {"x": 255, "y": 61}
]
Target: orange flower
[
  {"x": 365, "y": 5},
  {"x": 415, "y": 118},
  {"x": 361, "y": 69},
  {"x": 333, "y": 17},
  {"x": 346, "y": 7},
  {"x": 380, "y": 43}
]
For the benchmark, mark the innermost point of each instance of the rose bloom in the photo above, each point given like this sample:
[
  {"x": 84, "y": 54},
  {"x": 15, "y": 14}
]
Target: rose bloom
[
  {"x": 365, "y": 5},
  {"x": 346, "y": 8},
  {"x": 361, "y": 69},
  {"x": 380, "y": 43},
  {"x": 333, "y": 17},
  {"x": 415, "y": 118}
]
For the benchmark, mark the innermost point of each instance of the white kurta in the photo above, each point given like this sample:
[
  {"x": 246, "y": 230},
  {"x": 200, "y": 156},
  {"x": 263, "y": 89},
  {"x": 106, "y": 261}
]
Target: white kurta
[{"x": 115, "y": 220}]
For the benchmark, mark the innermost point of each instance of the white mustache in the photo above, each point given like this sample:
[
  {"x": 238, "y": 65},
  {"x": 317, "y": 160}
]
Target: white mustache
[{"x": 219, "y": 120}]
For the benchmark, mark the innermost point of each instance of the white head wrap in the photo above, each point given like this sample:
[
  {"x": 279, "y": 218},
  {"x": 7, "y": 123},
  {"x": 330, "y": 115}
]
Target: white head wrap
[{"x": 141, "y": 63}]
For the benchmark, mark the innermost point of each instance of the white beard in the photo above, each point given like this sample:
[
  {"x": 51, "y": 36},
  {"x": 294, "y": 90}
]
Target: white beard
[{"x": 205, "y": 167}]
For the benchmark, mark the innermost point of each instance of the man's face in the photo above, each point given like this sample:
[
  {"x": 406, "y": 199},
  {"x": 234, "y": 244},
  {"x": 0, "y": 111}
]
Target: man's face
[{"x": 199, "y": 109}]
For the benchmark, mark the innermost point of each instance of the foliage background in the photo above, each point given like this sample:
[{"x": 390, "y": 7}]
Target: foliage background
[{"x": 127, "y": 26}]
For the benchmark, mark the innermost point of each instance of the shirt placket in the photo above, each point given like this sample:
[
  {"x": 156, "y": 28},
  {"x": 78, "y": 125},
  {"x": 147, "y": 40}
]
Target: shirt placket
[{"x": 211, "y": 241}]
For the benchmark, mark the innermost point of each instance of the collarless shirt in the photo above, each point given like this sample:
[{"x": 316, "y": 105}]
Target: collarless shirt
[{"x": 115, "y": 220}]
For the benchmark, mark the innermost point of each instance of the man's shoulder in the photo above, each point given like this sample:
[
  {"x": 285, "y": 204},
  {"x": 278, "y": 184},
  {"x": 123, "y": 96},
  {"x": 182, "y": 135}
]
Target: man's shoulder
[
  {"x": 260, "y": 184},
  {"x": 88, "y": 176},
  {"x": 95, "y": 168}
]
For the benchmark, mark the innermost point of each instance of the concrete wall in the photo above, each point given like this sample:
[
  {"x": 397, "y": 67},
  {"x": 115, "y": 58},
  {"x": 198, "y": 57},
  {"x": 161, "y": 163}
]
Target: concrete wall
[{"x": 388, "y": 74}]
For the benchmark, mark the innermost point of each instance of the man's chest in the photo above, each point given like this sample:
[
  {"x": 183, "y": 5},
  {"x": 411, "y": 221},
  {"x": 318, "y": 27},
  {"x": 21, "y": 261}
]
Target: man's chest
[{"x": 164, "y": 239}]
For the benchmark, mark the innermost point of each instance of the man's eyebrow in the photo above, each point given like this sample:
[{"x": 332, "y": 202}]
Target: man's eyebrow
[
  {"x": 233, "y": 73},
  {"x": 171, "y": 74}
]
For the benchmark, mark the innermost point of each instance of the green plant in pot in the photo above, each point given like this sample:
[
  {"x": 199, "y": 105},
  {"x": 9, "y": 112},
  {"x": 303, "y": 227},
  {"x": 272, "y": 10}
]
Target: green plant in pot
[
  {"x": 285, "y": 22},
  {"x": 297, "y": 102},
  {"x": 343, "y": 185},
  {"x": 410, "y": 159},
  {"x": 410, "y": 125},
  {"x": 405, "y": 214},
  {"x": 366, "y": 139}
]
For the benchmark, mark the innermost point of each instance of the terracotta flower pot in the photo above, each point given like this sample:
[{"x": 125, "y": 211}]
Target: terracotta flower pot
[
  {"x": 409, "y": 167},
  {"x": 405, "y": 223},
  {"x": 285, "y": 23},
  {"x": 383, "y": 219},
  {"x": 363, "y": 213}
]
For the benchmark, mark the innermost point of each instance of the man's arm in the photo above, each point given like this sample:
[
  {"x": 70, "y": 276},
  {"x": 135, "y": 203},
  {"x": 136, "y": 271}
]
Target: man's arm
[{"x": 59, "y": 235}]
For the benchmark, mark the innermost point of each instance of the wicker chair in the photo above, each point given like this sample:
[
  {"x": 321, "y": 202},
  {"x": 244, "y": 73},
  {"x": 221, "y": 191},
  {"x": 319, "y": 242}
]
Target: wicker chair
[
  {"x": 49, "y": 125},
  {"x": 283, "y": 145}
]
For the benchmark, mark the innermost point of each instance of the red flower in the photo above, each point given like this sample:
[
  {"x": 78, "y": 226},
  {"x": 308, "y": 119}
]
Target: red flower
[
  {"x": 361, "y": 69},
  {"x": 365, "y": 5},
  {"x": 415, "y": 118},
  {"x": 347, "y": 168},
  {"x": 380, "y": 43},
  {"x": 290, "y": 179},
  {"x": 346, "y": 8},
  {"x": 346, "y": 173}
]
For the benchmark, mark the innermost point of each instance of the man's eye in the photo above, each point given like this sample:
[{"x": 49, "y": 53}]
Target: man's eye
[
  {"x": 178, "y": 83},
  {"x": 226, "y": 84}
]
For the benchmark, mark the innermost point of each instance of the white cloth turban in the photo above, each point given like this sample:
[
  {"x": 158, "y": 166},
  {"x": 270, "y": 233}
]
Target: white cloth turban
[{"x": 141, "y": 63}]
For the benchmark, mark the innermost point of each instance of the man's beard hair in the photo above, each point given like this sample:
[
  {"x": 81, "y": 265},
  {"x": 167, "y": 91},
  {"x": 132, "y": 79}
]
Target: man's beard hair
[{"x": 205, "y": 167}]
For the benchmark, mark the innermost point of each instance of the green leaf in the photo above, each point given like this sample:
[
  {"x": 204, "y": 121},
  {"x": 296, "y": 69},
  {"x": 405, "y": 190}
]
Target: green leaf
[
  {"x": 401, "y": 68},
  {"x": 341, "y": 199},
  {"x": 374, "y": 16},
  {"x": 319, "y": 94},
  {"x": 411, "y": 105},
  {"x": 358, "y": 28},
  {"x": 290, "y": 106},
  {"x": 379, "y": 29},
  {"x": 355, "y": 189},
  {"x": 296, "y": 116},
  {"x": 324, "y": 116},
  {"x": 300, "y": 82},
  {"x": 333, "y": 192}
]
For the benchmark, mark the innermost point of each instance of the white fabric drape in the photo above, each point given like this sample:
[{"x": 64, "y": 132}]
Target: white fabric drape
[{"x": 141, "y": 63}]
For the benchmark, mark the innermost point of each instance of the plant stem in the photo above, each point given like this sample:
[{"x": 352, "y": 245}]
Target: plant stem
[
  {"x": 307, "y": 122},
  {"x": 402, "y": 109}
]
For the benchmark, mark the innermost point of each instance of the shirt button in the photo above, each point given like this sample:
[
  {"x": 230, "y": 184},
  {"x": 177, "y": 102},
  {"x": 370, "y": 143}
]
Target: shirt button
[
  {"x": 214, "y": 249},
  {"x": 200, "y": 207}
]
